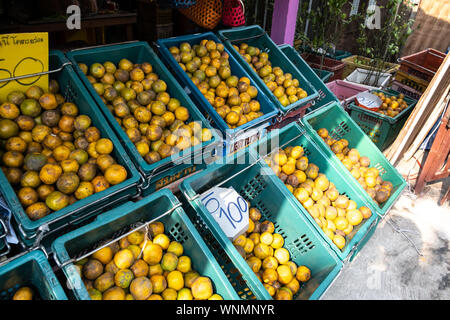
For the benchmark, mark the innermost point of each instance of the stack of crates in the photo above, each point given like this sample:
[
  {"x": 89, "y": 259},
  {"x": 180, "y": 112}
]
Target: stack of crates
[
  {"x": 107, "y": 216},
  {"x": 381, "y": 129},
  {"x": 416, "y": 72}
]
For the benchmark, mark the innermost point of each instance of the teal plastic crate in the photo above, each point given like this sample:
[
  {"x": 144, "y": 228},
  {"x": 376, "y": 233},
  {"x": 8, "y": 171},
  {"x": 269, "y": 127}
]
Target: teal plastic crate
[
  {"x": 170, "y": 169},
  {"x": 381, "y": 129},
  {"x": 33, "y": 270},
  {"x": 294, "y": 135},
  {"x": 161, "y": 206},
  {"x": 341, "y": 126},
  {"x": 341, "y": 54},
  {"x": 325, "y": 94},
  {"x": 256, "y": 36},
  {"x": 73, "y": 90},
  {"x": 234, "y": 139},
  {"x": 323, "y": 74},
  {"x": 4, "y": 246},
  {"x": 256, "y": 183}
]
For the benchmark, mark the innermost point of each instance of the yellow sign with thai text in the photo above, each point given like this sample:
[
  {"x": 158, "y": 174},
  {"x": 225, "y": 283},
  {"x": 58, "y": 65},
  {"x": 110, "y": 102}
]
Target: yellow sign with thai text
[{"x": 23, "y": 54}]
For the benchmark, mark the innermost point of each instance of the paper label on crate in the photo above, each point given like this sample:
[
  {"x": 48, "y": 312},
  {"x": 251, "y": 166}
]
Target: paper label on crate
[
  {"x": 22, "y": 54},
  {"x": 229, "y": 209},
  {"x": 244, "y": 140},
  {"x": 368, "y": 100}
]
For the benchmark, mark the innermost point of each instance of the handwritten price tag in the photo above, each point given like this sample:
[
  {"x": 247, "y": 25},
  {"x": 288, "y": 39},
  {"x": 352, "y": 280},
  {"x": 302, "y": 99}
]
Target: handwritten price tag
[
  {"x": 23, "y": 54},
  {"x": 229, "y": 210},
  {"x": 368, "y": 100}
]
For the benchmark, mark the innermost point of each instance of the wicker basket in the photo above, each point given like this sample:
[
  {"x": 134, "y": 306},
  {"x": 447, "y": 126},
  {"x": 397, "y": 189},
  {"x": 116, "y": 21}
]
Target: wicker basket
[{"x": 205, "y": 13}]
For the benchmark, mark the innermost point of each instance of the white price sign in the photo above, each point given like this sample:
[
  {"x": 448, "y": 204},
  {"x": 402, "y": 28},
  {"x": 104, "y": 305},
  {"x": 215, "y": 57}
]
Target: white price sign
[{"x": 229, "y": 210}]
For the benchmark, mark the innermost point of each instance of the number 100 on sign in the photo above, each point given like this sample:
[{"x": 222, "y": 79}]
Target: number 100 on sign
[{"x": 228, "y": 209}]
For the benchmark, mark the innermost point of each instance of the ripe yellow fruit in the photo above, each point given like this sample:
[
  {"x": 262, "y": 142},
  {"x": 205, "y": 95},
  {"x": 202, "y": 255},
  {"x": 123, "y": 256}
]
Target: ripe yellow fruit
[
  {"x": 348, "y": 230},
  {"x": 280, "y": 158},
  {"x": 278, "y": 241},
  {"x": 303, "y": 274},
  {"x": 330, "y": 213},
  {"x": 354, "y": 217},
  {"x": 296, "y": 152},
  {"x": 341, "y": 223},
  {"x": 339, "y": 241},
  {"x": 328, "y": 232},
  {"x": 282, "y": 255},
  {"x": 288, "y": 168},
  {"x": 330, "y": 225},
  {"x": 366, "y": 212},
  {"x": 266, "y": 238}
]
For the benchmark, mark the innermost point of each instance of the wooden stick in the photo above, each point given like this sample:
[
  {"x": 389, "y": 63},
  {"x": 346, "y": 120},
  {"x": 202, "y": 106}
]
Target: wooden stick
[
  {"x": 427, "y": 126},
  {"x": 414, "y": 118},
  {"x": 422, "y": 110}
]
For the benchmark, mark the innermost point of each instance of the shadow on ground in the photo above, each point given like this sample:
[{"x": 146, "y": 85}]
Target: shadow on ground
[{"x": 389, "y": 267}]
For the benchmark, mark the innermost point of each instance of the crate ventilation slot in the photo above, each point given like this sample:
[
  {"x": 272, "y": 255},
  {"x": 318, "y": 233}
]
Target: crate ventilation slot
[
  {"x": 300, "y": 246},
  {"x": 178, "y": 233},
  {"x": 340, "y": 131},
  {"x": 380, "y": 168},
  {"x": 265, "y": 213},
  {"x": 8, "y": 294},
  {"x": 305, "y": 151},
  {"x": 69, "y": 93},
  {"x": 253, "y": 188}
]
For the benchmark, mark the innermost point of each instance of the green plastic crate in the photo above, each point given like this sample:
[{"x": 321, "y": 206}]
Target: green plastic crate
[
  {"x": 381, "y": 129},
  {"x": 168, "y": 170},
  {"x": 341, "y": 126},
  {"x": 256, "y": 36},
  {"x": 31, "y": 269},
  {"x": 325, "y": 94},
  {"x": 256, "y": 183},
  {"x": 323, "y": 74},
  {"x": 118, "y": 221},
  {"x": 338, "y": 54},
  {"x": 293, "y": 135},
  {"x": 73, "y": 90},
  {"x": 4, "y": 246}
]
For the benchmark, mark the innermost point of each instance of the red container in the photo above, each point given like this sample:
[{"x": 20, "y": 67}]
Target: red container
[
  {"x": 407, "y": 91},
  {"x": 345, "y": 91},
  {"x": 423, "y": 64},
  {"x": 233, "y": 13},
  {"x": 332, "y": 65}
]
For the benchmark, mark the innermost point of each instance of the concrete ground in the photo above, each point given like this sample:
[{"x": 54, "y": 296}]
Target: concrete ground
[{"x": 389, "y": 267}]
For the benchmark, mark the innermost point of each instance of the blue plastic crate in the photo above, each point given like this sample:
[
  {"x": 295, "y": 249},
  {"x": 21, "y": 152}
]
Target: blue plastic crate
[
  {"x": 230, "y": 136},
  {"x": 256, "y": 36}
]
